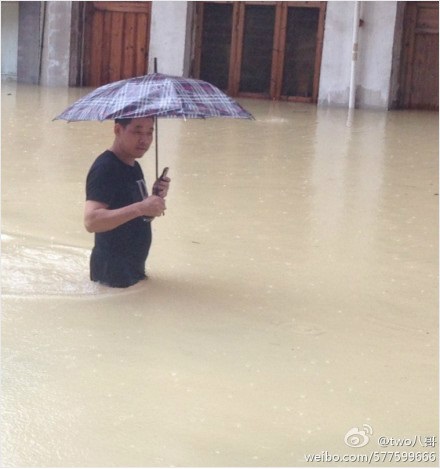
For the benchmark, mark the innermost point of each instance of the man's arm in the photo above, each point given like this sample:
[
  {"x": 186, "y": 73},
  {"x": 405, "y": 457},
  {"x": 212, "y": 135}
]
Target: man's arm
[{"x": 99, "y": 218}]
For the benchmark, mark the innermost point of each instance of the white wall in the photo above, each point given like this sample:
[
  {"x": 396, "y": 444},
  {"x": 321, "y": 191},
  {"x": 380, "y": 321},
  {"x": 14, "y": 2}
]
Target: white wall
[
  {"x": 376, "y": 38},
  {"x": 169, "y": 37},
  {"x": 336, "y": 54},
  {"x": 9, "y": 41},
  {"x": 56, "y": 45},
  {"x": 376, "y": 53}
]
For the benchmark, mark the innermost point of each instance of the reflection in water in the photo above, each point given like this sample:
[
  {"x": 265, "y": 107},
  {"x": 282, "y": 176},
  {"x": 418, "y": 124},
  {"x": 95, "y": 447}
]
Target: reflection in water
[
  {"x": 297, "y": 255},
  {"x": 347, "y": 178}
]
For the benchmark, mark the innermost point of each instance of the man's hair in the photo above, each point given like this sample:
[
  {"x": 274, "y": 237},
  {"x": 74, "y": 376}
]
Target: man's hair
[{"x": 123, "y": 122}]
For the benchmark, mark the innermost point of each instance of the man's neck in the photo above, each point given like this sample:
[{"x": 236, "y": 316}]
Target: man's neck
[{"x": 121, "y": 155}]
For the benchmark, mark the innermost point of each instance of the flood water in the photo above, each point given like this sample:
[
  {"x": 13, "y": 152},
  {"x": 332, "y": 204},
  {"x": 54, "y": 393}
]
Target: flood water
[{"x": 292, "y": 291}]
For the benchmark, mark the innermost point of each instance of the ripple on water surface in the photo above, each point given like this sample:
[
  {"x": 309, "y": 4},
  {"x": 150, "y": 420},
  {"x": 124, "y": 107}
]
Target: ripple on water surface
[{"x": 37, "y": 268}]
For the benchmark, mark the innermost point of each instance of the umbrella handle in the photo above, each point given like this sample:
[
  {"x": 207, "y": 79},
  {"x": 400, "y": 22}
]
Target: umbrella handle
[{"x": 162, "y": 176}]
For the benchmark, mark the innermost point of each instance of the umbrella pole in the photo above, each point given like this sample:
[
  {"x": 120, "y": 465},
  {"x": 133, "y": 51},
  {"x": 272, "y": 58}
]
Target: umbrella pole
[
  {"x": 156, "y": 147},
  {"x": 156, "y": 130}
]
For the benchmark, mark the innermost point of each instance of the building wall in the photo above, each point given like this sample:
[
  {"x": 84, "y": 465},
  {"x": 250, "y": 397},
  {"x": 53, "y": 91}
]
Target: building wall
[
  {"x": 56, "y": 44},
  {"x": 36, "y": 42},
  {"x": 171, "y": 40},
  {"x": 9, "y": 39},
  {"x": 376, "y": 37},
  {"x": 376, "y": 54},
  {"x": 29, "y": 42},
  {"x": 336, "y": 54},
  {"x": 170, "y": 37},
  {"x": 393, "y": 99}
]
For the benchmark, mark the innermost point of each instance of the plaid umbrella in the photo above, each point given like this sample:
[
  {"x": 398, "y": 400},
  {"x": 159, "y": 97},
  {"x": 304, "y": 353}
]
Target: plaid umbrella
[{"x": 154, "y": 95}]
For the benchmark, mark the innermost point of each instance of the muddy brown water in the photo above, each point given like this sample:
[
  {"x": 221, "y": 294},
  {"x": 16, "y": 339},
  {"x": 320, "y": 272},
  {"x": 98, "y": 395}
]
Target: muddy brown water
[{"x": 292, "y": 293}]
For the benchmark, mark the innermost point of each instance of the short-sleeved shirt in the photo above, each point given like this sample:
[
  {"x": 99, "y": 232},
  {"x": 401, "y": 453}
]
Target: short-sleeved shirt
[{"x": 119, "y": 255}]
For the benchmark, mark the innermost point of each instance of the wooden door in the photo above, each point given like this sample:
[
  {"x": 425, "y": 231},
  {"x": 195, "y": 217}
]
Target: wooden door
[
  {"x": 116, "y": 42},
  {"x": 420, "y": 64}
]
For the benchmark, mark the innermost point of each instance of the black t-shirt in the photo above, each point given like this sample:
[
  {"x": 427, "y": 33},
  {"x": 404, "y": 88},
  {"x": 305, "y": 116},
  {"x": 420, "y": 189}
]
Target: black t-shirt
[{"x": 119, "y": 255}]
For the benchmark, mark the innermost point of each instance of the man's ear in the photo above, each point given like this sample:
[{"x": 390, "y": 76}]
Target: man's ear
[{"x": 117, "y": 129}]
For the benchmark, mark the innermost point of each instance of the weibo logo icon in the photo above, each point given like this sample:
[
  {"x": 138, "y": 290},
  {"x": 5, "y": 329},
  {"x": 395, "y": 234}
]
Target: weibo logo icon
[{"x": 356, "y": 438}]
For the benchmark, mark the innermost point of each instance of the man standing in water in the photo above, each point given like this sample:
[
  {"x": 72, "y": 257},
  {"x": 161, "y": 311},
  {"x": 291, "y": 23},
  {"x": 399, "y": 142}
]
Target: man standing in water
[{"x": 118, "y": 209}]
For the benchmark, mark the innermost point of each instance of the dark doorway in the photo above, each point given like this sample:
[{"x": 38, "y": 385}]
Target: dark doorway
[
  {"x": 216, "y": 44},
  {"x": 420, "y": 65},
  {"x": 300, "y": 52},
  {"x": 257, "y": 51},
  {"x": 261, "y": 49}
]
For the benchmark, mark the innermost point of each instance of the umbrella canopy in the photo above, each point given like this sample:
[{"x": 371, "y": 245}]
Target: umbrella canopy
[{"x": 154, "y": 95}]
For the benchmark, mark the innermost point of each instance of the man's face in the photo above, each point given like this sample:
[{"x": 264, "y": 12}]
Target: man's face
[{"x": 135, "y": 139}]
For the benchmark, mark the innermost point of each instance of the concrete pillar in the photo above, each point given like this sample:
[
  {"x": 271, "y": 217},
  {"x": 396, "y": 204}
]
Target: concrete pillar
[
  {"x": 376, "y": 37},
  {"x": 376, "y": 54},
  {"x": 56, "y": 44},
  {"x": 29, "y": 39},
  {"x": 170, "y": 37},
  {"x": 9, "y": 39}
]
